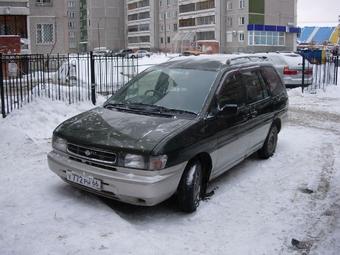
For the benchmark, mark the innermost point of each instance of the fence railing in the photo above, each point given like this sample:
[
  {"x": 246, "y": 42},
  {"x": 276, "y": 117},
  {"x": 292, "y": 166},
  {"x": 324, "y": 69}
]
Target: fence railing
[
  {"x": 71, "y": 78},
  {"x": 324, "y": 73}
]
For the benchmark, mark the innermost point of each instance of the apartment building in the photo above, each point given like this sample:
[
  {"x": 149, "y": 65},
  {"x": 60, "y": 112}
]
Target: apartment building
[
  {"x": 168, "y": 24},
  {"x": 238, "y": 25},
  {"x": 83, "y": 38},
  {"x": 198, "y": 21},
  {"x": 13, "y": 21},
  {"x": 143, "y": 24},
  {"x": 73, "y": 16},
  {"x": 105, "y": 24},
  {"x": 49, "y": 26},
  {"x": 259, "y": 25}
]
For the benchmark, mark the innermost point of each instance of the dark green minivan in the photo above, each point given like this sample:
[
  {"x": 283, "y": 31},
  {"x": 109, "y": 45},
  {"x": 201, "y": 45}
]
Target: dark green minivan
[{"x": 172, "y": 129}]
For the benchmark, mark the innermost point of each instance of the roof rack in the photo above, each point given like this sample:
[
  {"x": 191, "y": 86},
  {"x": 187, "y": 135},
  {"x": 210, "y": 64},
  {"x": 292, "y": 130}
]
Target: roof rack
[{"x": 245, "y": 59}]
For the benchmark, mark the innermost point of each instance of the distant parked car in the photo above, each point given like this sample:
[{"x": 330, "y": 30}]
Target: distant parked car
[
  {"x": 191, "y": 53},
  {"x": 289, "y": 66},
  {"x": 123, "y": 53},
  {"x": 101, "y": 51},
  {"x": 140, "y": 54}
]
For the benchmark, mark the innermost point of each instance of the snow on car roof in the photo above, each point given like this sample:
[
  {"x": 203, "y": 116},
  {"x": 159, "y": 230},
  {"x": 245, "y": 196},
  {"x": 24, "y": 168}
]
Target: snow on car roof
[{"x": 205, "y": 62}]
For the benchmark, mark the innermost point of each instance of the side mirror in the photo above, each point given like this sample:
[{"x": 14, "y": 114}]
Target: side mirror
[{"x": 227, "y": 109}]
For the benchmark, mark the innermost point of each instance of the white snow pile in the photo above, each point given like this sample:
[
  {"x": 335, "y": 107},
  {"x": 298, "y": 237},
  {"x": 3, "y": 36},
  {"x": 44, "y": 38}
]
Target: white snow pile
[{"x": 258, "y": 207}]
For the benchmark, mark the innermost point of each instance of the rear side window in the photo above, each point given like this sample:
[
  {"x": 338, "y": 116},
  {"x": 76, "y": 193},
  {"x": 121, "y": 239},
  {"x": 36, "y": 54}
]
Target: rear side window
[
  {"x": 255, "y": 87},
  {"x": 232, "y": 90},
  {"x": 272, "y": 80}
]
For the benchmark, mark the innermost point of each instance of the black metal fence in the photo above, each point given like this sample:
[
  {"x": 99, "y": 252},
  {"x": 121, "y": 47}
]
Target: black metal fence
[
  {"x": 71, "y": 78},
  {"x": 324, "y": 73}
]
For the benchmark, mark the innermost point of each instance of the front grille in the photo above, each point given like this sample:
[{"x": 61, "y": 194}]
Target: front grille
[{"x": 92, "y": 154}]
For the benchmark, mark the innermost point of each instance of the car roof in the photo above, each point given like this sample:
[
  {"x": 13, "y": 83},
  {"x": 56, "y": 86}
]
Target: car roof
[{"x": 214, "y": 62}]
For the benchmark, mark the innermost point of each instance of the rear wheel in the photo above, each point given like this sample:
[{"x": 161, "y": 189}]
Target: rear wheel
[
  {"x": 190, "y": 187},
  {"x": 270, "y": 143}
]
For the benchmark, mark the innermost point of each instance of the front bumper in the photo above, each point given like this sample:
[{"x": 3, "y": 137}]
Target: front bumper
[{"x": 132, "y": 186}]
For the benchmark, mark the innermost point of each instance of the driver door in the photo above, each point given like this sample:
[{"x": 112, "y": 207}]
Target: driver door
[{"x": 230, "y": 127}]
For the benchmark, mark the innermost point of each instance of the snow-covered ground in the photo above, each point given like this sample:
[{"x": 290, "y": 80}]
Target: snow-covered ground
[{"x": 258, "y": 207}]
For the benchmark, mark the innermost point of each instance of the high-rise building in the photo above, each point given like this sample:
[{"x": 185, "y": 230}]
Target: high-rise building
[
  {"x": 212, "y": 25},
  {"x": 73, "y": 15},
  {"x": 259, "y": 25},
  {"x": 143, "y": 24},
  {"x": 83, "y": 38},
  {"x": 105, "y": 24},
  {"x": 168, "y": 24}
]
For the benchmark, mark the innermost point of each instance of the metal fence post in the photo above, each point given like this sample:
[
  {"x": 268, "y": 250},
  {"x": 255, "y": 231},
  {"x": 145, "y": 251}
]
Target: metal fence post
[
  {"x": 93, "y": 79},
  {"x": 303, "y": 71},
  {"x": 336, "y": 69},
  {"x": 3, "y": 112}
]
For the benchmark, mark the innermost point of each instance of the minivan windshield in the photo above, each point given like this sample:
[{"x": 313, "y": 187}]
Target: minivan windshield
[{"x": 176, "y": 89}]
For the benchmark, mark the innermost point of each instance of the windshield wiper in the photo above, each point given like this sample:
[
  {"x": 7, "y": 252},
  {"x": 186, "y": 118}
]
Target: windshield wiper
[
  {"x": 148, "y": 108},
  {"x": 178, "y": 111},
  {"x": 161, "y": 109},
  {"x": 116, "y": 105}
]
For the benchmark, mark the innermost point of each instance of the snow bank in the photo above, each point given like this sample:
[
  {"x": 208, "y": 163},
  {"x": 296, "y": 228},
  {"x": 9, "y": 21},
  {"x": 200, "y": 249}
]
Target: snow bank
[{"x": 258, "y": 206}]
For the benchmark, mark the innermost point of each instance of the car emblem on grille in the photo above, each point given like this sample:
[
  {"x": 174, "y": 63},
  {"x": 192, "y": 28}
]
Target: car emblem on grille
[{"x": 88, "y": 153}]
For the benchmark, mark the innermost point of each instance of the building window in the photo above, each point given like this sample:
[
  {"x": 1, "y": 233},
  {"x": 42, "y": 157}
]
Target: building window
[
  {"x": 229, "y": 36},
  {"x": 71, "y": 24},
  {"x": 175, "y": 27},
  {"x": 241, "y": 36},
  {"x": 43, "y": 2},
  {"x": 71, "y": 34},
  {"x": 242, "y": 4},
  {"x": 140, "y": 39},
  {"x": 161, "y": 40},
  {"x": 229, "y": 21},
  {"x": 72, "y": 44},
  {"x": 241, "y": 21},
  {"x": 207, "y": 20},
  {"x": 168, "y": 39},
  {"x": 266, "y": 38},
  {"x": 45, "y": 33},
  {"x": 187, "y": 8},
  {"x": 71, "y": 4},
  {"x": 229, "y": 5},
  {"x": 187, "y": 22},
  {"x": 71, "y": 14},
  {"x": 209, "y": 35}
]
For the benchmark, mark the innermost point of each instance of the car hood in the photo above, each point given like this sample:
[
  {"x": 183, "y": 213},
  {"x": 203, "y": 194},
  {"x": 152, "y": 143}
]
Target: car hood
[{"x": 108, "y": 129}]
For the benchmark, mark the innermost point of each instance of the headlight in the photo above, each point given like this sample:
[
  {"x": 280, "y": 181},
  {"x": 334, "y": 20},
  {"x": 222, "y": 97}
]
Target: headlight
[
  {"x": 140, "y": 162},
  {"x": 157, "y": 162},
  {"x": 134, "y": 161},
  {"x": 59, "y": 144}
]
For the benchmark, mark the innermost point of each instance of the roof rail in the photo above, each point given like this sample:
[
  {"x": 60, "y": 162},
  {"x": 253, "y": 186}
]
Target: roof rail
[{"x": 245, "y": 59}]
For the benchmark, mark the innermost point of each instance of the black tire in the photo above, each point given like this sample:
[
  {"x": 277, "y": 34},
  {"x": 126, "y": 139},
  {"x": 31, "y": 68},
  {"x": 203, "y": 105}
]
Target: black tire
[
  {"x": 190, "y": 187},
  {"x": 270, "y": 143}
]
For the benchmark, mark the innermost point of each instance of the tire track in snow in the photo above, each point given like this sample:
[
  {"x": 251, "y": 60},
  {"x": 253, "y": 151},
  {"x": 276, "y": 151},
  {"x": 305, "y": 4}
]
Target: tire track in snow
[{"x": 322, "y": 211}]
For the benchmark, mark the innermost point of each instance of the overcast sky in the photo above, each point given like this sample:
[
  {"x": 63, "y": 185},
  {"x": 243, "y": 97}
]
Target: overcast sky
[{"x": 321, "y": 12}]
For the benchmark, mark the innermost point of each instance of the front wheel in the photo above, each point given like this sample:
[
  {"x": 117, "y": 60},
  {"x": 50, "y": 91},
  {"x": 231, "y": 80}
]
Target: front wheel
[
  {"x": 190, "y": 187},
  {"x": 270, "y": 143}
]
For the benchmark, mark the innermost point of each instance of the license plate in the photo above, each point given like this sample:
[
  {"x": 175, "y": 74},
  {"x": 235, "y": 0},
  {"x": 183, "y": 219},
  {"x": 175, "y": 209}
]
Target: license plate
[{"x": 87, "y": 181}]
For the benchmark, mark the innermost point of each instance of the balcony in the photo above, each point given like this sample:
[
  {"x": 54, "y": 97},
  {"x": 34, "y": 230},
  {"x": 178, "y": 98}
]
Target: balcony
[{"x": 196, "y": 6}]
